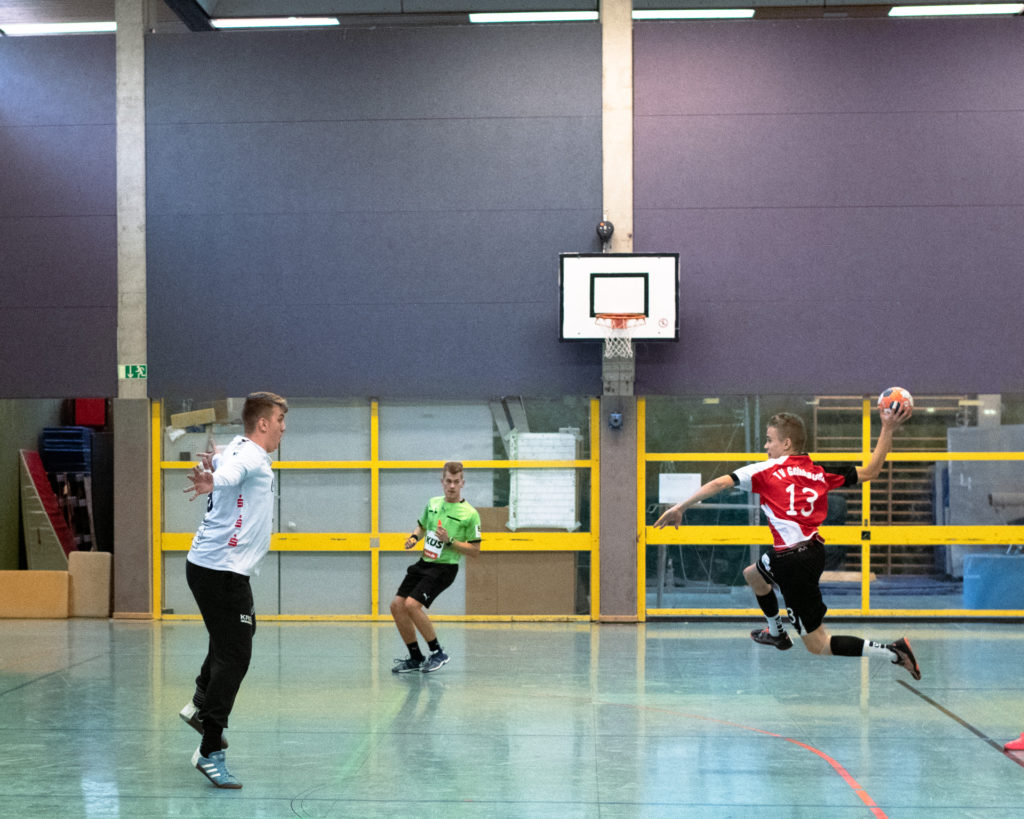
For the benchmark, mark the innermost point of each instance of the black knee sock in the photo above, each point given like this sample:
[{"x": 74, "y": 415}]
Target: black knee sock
[
  {"x": 769, "y": 603},
  {"x": 434, "y": 645},
  {"x": 211, "y": 740},
  {"x": 843, "y": 646},
  {"x": 414, "y": 651}
]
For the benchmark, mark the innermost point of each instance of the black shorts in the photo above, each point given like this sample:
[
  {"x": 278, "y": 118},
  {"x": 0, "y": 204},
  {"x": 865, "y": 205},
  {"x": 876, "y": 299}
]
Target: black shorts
[
  {"x": 797, "y": 572},
  {"x": 424, "y": 580}
]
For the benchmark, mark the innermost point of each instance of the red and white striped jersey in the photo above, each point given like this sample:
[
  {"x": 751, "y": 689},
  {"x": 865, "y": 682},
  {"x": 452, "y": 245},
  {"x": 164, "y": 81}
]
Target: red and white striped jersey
[{"x": 793, "y": 492}]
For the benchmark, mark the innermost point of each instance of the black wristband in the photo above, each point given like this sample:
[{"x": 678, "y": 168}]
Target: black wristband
[{"x": 414, "y": 538}]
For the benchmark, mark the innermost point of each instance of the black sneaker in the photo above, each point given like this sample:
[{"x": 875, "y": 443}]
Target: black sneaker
[
  {"x": 905, "y": 657},
  {"x": 782, "y": 641}
]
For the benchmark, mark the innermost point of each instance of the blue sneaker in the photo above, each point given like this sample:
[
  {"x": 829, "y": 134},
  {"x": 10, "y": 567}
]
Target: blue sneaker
[
  {"x": 434, "y": 661},
  {"x": 190, "y": 715},
  {"x": 406, "y": 665},
  {"x": 214, "y": 767}
]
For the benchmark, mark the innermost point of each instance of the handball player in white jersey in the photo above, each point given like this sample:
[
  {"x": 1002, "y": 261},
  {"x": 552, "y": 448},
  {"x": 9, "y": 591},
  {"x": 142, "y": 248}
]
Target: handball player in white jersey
[
  {"x": 794, "y": 497},
  {"x": 228, "y": 547}
]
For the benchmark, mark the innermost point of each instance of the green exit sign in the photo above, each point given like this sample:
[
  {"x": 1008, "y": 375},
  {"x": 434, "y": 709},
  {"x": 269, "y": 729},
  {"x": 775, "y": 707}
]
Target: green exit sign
[{"x": 131, "y": 370}]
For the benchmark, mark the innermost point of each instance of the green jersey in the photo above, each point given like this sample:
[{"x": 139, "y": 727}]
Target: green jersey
[{"x": 460, "y": 520}]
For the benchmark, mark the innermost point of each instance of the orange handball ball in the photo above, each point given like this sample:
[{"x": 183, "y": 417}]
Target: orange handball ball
[{"x": 893, "y": 398}]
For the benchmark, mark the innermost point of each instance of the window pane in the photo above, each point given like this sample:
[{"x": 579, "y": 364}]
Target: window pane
[
  {"x": 436, "y": 431},
  {"x": 325, "y": 430},
  {"x": 324, "y": 500}
]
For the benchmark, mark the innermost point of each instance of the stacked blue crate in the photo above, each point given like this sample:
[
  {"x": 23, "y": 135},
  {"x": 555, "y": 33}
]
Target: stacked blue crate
[
  {"x": 66, "y": 454},
  {"x": 66, "y": 449}
]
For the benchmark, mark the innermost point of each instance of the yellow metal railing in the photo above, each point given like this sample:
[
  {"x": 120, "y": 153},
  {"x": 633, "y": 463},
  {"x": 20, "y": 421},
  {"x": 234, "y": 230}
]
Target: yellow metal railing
[
  {"x": 862, "y": 536},
  {"x": 374, "y": 541}
]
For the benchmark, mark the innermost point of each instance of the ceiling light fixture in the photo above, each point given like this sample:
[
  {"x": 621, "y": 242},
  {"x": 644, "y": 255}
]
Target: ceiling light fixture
[
  {"x": 533, "y": 17},
  {"x": 37, "y": 29},
  {"x": 273, "y": 22},
  {"x": 693, "y": 14},
  {"x": 956, "y": 10}
]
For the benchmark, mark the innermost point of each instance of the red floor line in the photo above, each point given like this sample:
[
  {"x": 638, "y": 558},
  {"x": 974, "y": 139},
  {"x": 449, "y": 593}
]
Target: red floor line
[
  {"x": 845, "y": 774},
  {"x": 847, "y": 777}
]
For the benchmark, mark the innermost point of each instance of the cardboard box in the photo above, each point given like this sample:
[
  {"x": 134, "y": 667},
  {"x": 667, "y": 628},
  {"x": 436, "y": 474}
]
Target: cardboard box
[
  {"x": 34, "y": 594},
  {"x": 195, "y": 418},
  {"x": 90, "y": 584},
  {"x": 493, "y": 518},
  {"x": 508, "y": 583}
]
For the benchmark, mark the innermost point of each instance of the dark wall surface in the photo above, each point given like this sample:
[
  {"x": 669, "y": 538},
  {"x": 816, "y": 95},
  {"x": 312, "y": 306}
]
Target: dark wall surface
[
  {"x": 380, "y": 211},
  {"x": 370, "y": 212},
  {"x": 846, "y": 197},
  {"x": 58, "y": 243}
]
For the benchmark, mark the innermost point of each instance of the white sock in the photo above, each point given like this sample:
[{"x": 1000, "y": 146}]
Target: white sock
[
  {"x": 775, "y": 625},
  {"x": 873, "y": 649}
]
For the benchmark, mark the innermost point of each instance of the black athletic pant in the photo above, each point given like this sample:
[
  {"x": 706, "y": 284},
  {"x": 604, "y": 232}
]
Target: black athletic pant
[{"x": 225, "y": 601}]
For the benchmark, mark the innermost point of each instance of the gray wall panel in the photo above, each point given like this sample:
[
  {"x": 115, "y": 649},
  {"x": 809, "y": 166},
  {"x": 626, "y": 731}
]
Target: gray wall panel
[
  {"x": 399, "y": 166},
  {"x": 831, "y": 159},
  {"x": 58, "y": 242},
  {"x": 58, "y": 170},
  {"x": 848, "y": 193},
  {"x": 343, "y": 315},
  {"x": 57, "y": 81},
  {"x": 400, "y": 216},
  {"x": 852, "y": 66},
  {"x": 387, "y": 73}
]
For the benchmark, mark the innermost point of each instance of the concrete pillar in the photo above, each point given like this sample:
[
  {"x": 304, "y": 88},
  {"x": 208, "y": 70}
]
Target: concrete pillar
[
  {"x": 131, "y": 414},
  {"x": 617, "y": 120},
  {"x": 131, "y": 193},
  {"x": 618, "y": 518}
]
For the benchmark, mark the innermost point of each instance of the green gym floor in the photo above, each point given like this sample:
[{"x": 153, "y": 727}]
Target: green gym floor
[{"x": 527, "y": 720}]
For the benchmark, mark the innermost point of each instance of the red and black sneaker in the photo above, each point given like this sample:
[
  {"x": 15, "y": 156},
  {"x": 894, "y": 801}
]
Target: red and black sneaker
[
  {"x": 782, "y": 641},
  {"x": 905, "y": 657}
]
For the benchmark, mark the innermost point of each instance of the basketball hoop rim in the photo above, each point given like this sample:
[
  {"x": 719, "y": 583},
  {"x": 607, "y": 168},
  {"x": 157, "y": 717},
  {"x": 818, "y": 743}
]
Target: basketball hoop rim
[{"x": 619, "y": 321}]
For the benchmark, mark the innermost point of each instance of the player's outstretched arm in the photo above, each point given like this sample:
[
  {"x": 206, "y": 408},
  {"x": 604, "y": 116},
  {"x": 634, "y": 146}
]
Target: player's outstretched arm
[
  {"x": 202, "y": 482},
  {"x": 674, "y": 515},
  {"x": 890, "y": 421}
]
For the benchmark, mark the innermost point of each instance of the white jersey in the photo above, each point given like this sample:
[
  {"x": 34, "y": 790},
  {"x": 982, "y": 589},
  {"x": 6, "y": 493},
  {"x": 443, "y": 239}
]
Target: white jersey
[{"x": 235, "y": 533}]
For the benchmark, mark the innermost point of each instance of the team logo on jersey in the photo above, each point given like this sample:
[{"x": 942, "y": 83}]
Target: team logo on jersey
[{"x": 247, "y": 619}]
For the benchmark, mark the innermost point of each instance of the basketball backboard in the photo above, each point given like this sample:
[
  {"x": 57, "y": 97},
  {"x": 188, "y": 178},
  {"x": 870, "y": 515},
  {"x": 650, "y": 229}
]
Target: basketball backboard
[{"x": 644, "y": 284}]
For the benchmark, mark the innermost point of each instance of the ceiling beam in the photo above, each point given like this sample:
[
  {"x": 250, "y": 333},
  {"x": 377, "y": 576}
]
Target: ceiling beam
[{"x": 191, "y": 14}]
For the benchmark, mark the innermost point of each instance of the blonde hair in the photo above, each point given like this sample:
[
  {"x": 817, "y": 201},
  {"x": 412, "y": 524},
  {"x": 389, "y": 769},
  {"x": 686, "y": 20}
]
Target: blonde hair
[{"x": 791, "y": 426}]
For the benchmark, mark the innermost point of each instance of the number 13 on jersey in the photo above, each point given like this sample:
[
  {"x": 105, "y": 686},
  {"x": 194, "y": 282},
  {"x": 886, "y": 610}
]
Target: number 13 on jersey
[{"x": 801, "y": 503}]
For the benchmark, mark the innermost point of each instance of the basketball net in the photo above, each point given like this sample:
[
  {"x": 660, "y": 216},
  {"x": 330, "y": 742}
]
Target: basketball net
[{"x": 617, "y": 327}]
